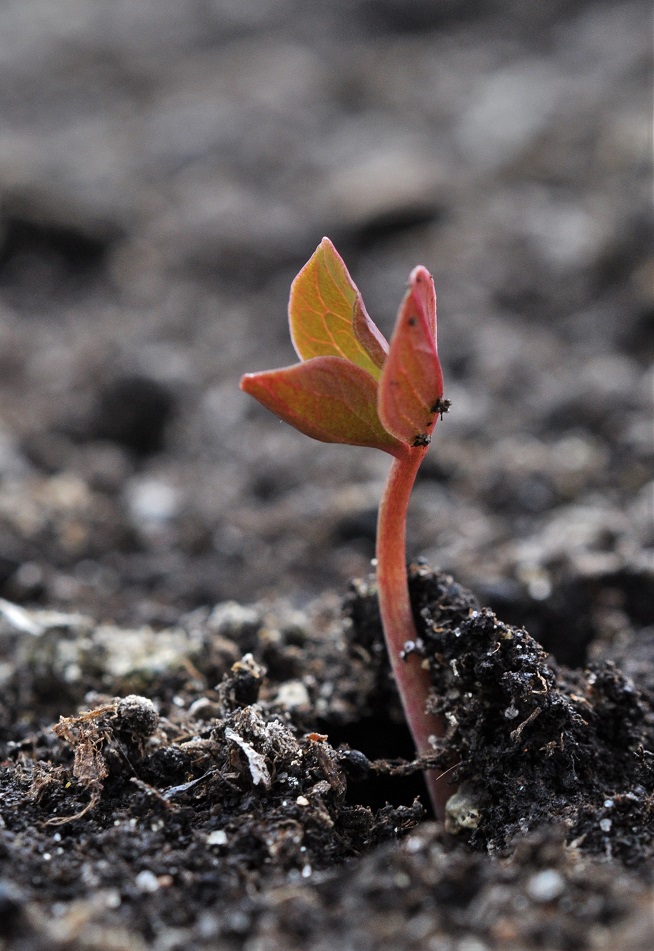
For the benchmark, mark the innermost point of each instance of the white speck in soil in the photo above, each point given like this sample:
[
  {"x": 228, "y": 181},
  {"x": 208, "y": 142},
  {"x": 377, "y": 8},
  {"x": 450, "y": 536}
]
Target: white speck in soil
[
  {"x": 147, "y": 883},
  {"x": 545, "y": 886},
  {"x": 217, "y": 837}
]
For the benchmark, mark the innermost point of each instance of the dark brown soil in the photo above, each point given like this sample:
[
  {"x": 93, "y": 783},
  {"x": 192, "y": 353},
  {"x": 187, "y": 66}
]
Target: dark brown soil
[
  {"x": 201, "y": 746},
  {"x": 193, "y": 814}
]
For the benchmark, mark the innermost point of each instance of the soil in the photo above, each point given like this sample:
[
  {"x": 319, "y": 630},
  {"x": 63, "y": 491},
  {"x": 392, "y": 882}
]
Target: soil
[{"x": 201, "y": 745}]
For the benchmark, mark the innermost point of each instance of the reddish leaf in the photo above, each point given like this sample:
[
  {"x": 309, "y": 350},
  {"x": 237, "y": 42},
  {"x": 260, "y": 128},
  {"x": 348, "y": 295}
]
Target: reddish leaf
[
  {"x": 327, "y": 398},
  {"x": 422, "y": 285},
  {"x": 328, "y": 317},
  {"x": 412, "y": 381}
]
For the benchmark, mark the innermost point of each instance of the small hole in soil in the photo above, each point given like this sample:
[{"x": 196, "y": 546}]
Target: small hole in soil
[
  {"x": 133, "y": 411},
  {"x": 41, "y": 258},
  {"x": 378, "y": 738},
  {"x": 360, "y": 527},
  {"x": 379, "y": 228}
]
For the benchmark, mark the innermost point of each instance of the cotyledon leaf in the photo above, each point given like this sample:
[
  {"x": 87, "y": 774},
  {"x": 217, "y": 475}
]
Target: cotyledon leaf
[
  {"x": 327, "y": 398},
  {"x": 411, "y": 385},
  {"x": 327, "y": 315}
]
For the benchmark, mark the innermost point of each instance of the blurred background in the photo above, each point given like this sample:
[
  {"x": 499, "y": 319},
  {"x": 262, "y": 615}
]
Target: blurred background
[{"x": 166, "y": 167}]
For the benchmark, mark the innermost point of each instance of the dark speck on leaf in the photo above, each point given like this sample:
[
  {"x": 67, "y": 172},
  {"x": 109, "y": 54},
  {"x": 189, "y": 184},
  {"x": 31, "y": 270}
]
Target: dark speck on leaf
[{"x": 441, "y": 406}]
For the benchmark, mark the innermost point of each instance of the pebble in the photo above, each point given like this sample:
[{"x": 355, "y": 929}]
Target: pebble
[
  {"x": 152, "y": 501},
  {"x": 546, "y": 886},
  {"x": 217, "y": 837},
  {"x": 147, "y": 882}
]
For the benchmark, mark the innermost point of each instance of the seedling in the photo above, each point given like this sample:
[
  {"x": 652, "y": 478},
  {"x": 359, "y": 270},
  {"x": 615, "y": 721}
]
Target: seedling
[{"x": 352, "y": 387}]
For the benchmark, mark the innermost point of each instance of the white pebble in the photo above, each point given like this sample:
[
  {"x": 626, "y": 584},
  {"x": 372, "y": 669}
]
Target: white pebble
[
  {"x": 217, "y": 837},
  {"x": 545, "y": 886},
  {"x": 293, "y": 694},
  {"x": 147, "y": 882}
]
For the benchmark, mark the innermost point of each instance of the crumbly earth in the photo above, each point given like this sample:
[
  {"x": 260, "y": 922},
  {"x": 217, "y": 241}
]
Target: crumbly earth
[
  {"x": 200, "y": 816},
  {"x": 200, "y": 743}
]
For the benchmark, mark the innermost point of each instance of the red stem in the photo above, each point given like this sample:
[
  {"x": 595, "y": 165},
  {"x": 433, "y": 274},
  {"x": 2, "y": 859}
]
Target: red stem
[{"x": 412, "y": 679}]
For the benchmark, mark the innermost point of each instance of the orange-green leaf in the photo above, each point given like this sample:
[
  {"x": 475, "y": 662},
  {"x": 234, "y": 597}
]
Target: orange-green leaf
[
  {"x": 327, "y": 398},
  {"x": 412, "y": 381},
  {"x": 327, "y": 315}
]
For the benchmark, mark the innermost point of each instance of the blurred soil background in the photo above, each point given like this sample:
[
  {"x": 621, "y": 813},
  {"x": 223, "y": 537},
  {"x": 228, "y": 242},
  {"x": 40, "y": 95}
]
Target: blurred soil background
[{"x": 167, "y": 166}]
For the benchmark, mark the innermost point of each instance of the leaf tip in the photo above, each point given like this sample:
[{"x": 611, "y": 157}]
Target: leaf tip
[
  {"x": 420, "y": 275},
  {"x": 249, "y": 383}
]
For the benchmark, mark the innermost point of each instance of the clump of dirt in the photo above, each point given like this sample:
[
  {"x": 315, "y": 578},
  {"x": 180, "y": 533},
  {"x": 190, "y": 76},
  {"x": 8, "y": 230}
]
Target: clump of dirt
[{"x": 529, "y": 742}]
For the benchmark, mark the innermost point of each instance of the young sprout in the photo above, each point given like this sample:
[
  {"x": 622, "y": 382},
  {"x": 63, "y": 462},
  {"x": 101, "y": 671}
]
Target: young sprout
[{"x": 352, "y": 387}]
